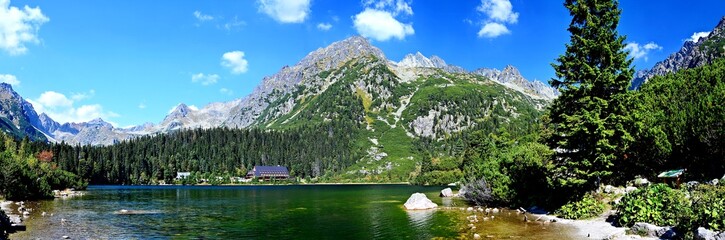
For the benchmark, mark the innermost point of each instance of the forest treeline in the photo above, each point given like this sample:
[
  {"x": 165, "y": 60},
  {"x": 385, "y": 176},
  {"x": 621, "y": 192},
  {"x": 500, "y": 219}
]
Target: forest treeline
[{"x": 310, "y": 151}]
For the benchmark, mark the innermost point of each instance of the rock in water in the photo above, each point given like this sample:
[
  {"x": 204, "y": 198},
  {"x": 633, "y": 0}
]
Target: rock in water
[
  {"x": 419, "y": 201},
  {"x": 447, "y": 192}
]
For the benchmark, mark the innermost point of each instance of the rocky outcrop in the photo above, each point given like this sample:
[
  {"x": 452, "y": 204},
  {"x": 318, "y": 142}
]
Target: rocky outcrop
[
  {"x": 419, "y": 201},
  {"x": 649, "y": 230},
  {"x": 512, "y": 78},
  {"x": 704, "y": 234},
  {"x": 691, "y": 55}
]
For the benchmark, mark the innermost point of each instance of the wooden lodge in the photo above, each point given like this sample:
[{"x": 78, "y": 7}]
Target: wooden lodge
[{"x": 268, "y": 172}]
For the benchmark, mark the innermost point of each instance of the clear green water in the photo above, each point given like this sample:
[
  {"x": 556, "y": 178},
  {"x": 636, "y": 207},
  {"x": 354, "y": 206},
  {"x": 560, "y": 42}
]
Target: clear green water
[{"x": 257, "y": 212}]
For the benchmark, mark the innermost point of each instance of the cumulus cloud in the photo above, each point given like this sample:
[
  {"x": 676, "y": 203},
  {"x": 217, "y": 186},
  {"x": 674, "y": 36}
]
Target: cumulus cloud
[
  {"x": 396, "y": 7},
  {"x": 498, "y": 14},
  {"x": 637, "y": 51},
  {"x": 53, "y": 99},
  {"x": 142, "y": 106},
  {"x": 19, "y": 26},
  {"x": 324, "y": 26},
  {"x": 696, "y": 36},
  {"x": 235, "y": 61},
  {"x": 62, "y": 108},
  {"x": 379, "y": 21},
  {"x": 286, "y": 11},
  {"x": 204, "y": 79},
  {"x": 202, "y": 17},
  {"x": 9, "y": 79},
  {"x": 492, "y": 30}
]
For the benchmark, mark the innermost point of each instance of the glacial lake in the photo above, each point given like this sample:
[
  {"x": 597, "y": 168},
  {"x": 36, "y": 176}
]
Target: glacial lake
[{"x": 266, "y": 212}]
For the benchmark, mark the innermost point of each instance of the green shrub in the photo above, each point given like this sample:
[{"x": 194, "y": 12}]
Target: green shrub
[
  {"x": 587, "y": 207},
  {"x": 708, "y": 204},
  {"x": 656, "y": 204}
]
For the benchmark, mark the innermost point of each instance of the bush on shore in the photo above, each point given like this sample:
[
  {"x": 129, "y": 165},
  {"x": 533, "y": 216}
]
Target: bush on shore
[
  {"x": 26, "y": 178},
  {"x": 656, "y": 204},
  {"x": 588, "y": 207}
]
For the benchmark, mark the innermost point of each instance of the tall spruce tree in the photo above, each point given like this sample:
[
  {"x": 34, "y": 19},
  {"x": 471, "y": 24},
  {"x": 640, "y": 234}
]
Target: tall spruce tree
[{"x": 588, "y": 122}]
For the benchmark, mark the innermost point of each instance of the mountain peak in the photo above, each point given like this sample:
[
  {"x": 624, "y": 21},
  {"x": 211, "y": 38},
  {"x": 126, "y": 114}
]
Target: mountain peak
[
  {"x": 691, "y": 55},
  {"x": 509, "y": 69},
  {"x": 416, "y": 60},
  {"x": 97, "y": 121},
  {"x": 6, "y": 86},
  {"x": 342, "y": 51}
]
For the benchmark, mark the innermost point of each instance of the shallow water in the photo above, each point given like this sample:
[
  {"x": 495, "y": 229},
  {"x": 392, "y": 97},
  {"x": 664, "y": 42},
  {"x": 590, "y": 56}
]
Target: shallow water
[{"x": 264, "y": 212}]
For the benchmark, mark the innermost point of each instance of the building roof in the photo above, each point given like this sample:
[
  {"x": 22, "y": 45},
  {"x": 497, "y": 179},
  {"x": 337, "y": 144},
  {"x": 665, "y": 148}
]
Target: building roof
[
  {"x": 261, "y": 171},
  {"x": 671, "y": 173}
]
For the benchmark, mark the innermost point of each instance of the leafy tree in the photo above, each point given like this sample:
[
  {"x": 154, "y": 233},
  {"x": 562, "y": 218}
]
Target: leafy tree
[{"x": 588, "y": 122}]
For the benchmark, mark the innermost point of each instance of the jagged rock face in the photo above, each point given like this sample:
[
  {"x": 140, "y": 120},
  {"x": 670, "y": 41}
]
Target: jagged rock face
[
  {"x": 279, "y": 94},
  {"x": 512, "y": 78},
  {"x": 287, "y": 79},
  {"x": 691, "y": 55},
  {"x": 17, "y": 116}
]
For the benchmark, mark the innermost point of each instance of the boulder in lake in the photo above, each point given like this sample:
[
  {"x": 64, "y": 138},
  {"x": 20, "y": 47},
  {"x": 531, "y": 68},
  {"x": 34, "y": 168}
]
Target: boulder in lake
[
  {"x": 419, "y": 201},
  {"x": 447, "y": 192}
]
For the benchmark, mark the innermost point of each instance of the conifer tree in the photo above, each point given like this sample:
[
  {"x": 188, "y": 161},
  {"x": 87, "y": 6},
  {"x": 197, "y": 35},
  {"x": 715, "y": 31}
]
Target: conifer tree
[{"x": 588, "y": 122}]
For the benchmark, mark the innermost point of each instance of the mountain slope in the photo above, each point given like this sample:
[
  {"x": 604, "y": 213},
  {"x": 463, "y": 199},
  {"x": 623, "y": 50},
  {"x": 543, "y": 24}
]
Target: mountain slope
[
  {"x": 17, "y": 116},
  {"x": 280, "y": 99},
  {"x": 691, "y": 55}
]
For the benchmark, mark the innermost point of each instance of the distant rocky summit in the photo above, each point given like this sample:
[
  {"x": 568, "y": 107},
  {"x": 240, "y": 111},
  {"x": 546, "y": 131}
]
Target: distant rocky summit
[
  {"x": 280, "y": 98},
  {"x": 693, "y": 54}
]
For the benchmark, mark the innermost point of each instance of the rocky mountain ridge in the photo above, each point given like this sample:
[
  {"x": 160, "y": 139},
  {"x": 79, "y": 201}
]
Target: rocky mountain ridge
[
  {"x": 279, "y": 94},
  {"x": 692, "y": 54}
]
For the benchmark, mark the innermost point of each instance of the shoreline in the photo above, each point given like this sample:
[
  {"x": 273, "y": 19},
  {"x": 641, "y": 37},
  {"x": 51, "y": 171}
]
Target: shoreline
[{"x": 259, "y": 184}]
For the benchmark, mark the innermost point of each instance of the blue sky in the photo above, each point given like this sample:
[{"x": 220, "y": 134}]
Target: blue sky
[{"x": 130, "y": 62}]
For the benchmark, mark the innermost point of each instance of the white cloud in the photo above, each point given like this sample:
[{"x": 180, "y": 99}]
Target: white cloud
[
  {"x": 636, "y": 51},
  {"x": 202, "y": 17},
  {"x": 226, "y": 91},
  {"x": 696, "y": 36},
  {"x": 9, "y": 79},
  {"x": 286, "y": 11},
  {"x": 492, "y": 30},
  {"x": 235, "y": 61},
  {"x": 18, "y": 27},
  {"x": 498, "y": 13},
  {"x": 324, "y": 26},
  {"x": 380, "y": 25},
  {"x": 53, "y": 99},
  {"x": 204, "y": 79},
  {"x": 61, "y": 108},
  {"x": 395, "y": 7},
  {"x": 142, "y": 106}
]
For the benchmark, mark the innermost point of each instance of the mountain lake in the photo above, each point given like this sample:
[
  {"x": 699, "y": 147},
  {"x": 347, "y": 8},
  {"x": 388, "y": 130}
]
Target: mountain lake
[{"x": 268, "y": 212}]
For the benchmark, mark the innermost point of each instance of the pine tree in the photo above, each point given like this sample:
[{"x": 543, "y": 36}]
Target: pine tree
[{"x": 588, "y": 122}]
